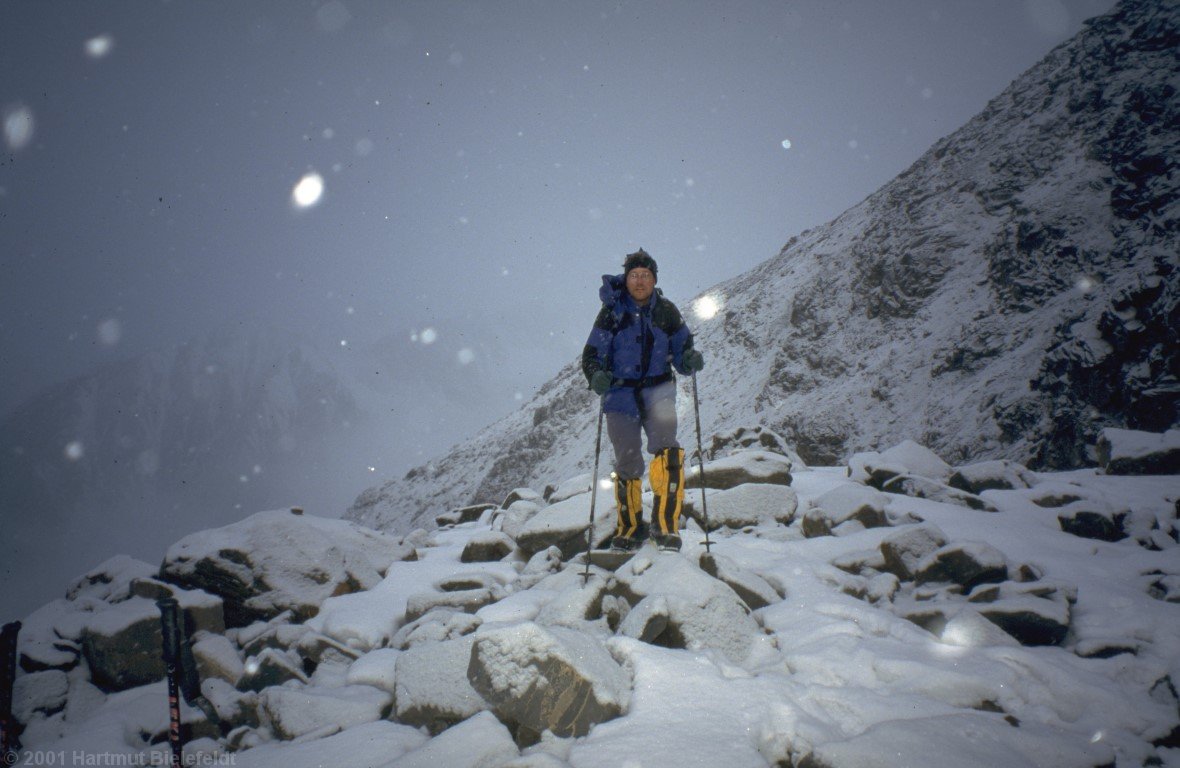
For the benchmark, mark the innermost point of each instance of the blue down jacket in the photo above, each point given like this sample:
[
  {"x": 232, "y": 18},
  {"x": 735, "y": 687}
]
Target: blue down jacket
[{"x": 638, "y": 346}]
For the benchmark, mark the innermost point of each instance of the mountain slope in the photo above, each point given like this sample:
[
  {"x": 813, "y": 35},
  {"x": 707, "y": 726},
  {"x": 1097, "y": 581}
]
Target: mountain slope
[{"x": 1007, "y": 296}]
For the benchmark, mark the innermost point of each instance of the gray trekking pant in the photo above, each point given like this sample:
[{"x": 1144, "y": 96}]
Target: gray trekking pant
[{"x": 657, "y": 409}]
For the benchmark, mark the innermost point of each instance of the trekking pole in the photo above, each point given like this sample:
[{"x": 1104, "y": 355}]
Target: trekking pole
[
  {"x": 696, "y": 406},
  {"x": 170, "y": 625},
  {"x": 9, "y": 744},
  {"x": 593, "y": 497}
]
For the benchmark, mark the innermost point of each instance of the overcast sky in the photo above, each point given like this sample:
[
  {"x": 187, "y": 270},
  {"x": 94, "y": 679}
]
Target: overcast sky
[{"x": 482, "y": 163}]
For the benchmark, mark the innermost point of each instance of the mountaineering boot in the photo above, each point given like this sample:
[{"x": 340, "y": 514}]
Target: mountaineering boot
[
  {"x": 667, "y": 483},
  {"x": 631, "y": 530}
]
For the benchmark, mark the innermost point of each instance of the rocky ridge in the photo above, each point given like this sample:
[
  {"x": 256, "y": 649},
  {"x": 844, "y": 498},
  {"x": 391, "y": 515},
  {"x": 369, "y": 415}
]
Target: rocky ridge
[
  {"x": 1007, "y": 297},
  {"x": 489, "y": 640}
]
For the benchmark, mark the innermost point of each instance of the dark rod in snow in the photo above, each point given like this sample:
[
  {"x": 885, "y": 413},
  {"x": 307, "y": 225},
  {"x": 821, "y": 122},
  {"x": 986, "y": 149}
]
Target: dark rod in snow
[
  {"x": 8, "y": 740},
  {"x": 593, "y": 498},
  {"x": 696, "y": 407},
  {"x": 170, "y": 625}
]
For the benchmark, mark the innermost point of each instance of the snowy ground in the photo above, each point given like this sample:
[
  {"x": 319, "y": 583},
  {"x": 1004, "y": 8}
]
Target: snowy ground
[{"x": 835, "y": 679}]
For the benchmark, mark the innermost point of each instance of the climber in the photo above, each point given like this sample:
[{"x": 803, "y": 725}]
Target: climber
[{"x": 638, "y": 338}]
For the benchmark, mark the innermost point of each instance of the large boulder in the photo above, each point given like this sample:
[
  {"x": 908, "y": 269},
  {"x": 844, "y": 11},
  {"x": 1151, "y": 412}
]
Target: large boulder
[
  {"x": 548, "y": 679},
  {"x": 234, "y": 708},
  {"x": 934, "y": 490},
  {"x": 1093, "y": 519},
  {"x": 964, "y": 563},
  {"x": 1130, "y": 452},
  {"x": 469, "y": 514},
  {"x": 751, "y": 466},
  {"x": 677, "y": 605},
  {"x": 744, "y": 505},
  {"x": 905, "y": 459},
  {"x": 50, "y": 637},
  {"x": 122, "y": 643},
  {"x": 217, "y": 657},
  {"x": 295, "y": 712},
  {"x": 434, "y": 627},
  {"x": 755, "y": 591},
  {"x": 487, "y": 547},
  {"x": 111, "y": 580},
  {"x": 563, "y": 525},
  {"x": 281, "y": 560},
  {"x": 432, "y": 686},
  {"x": 999, "y": 474},
  {"x": 904, "y": 550},
  {"x": 844, "y": 504}
]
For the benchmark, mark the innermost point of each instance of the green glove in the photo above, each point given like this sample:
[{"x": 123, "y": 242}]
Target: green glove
[
  {"x": 693, "y": 361},
  {"x": 600, "y": 382}
]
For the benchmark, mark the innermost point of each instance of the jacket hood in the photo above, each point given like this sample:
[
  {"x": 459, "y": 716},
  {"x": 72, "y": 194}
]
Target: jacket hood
[{"x": 612, "y": 289}]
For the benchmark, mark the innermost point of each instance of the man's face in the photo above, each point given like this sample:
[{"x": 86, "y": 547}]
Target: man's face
[{"x": 640, "y": 284}]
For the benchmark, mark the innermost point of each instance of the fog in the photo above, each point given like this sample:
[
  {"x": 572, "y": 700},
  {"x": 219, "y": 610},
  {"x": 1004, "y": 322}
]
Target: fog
[{"x": 369, "y": 175}]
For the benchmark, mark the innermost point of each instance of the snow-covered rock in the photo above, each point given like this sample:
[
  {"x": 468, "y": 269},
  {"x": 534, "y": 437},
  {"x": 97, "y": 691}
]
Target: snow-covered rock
[
  {"x": 466, "y": 600},
  {"x": 217, "y": 657},
  {"x": 468, "y": 514},
  {"x": 521, "y": 494},
  {"x": 277, "y": 561},
  {"x": 371, "y": 744},
  {"x": 295, "y": 712},
  {"x": 563, "y": 525},
  {"x": 676, "y": 604},
  {"x": 904, "y": 550},
  {"x": 435, "y": 626},
  {"x": 748, "y": 466},
  {"x": 755, "y": 591},
  {"x": 480, "y": 741},
  {"x": 998, "y": 474},
  {"x": 906, "y": 458},
  {"x": 432, "y": 686},
  {"x": 568, "y": 488},
  {"x": 121, "y": 643},
  {"x": 492, "y": 545},
  {"x": 39, "y": 693},
  {"x": 234, "y": 708},
  {"x": 111, "y": 580},
  {"x": 1093, "y": 519},
  {"x": 964, "y": 563},
  {"x": 271, "y": 667},
  {"x": 1132, "y": 452},
  {"x": 376, "y": 668},
  {"x": 744, "y": 505},
  {"x": 548, "y": 679},
  {"x": 842, "y": 504},
  {"x": 50, "y": 637}
]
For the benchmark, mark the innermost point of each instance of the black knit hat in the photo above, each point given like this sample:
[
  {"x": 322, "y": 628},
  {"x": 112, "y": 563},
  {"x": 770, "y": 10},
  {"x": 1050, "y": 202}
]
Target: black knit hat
[{"x": 641, "y": 258}]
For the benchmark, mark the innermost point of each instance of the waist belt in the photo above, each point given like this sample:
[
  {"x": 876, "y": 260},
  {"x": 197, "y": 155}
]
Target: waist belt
[{"x": 648, "y": 381}]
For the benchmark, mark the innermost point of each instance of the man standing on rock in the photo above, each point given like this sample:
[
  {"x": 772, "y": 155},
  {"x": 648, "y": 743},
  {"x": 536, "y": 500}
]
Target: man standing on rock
[{"x": 638, "y": 339}]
